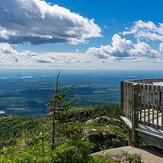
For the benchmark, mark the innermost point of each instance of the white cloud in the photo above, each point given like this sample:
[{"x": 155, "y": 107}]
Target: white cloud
[
  {"x": 122, "y": 48},
  {"x": 37, "y": 22},
  {"x": 120, "y": 53},
  {"x": 7, "y": 48},
  {"x": 9, "y": 56},
  {"x": 157, "y": 61},
  {"x": 161, "y": 47},
  {"x": 146, "y": 30}
]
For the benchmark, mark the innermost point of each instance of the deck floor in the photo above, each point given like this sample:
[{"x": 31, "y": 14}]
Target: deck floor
[{"x": 151, "y": 116}]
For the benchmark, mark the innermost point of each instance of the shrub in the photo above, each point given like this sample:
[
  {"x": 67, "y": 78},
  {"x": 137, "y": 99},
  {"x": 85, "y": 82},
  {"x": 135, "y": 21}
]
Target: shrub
[
  {"x": 133, "y": 158},
  {"x": 73, "y": 153}
]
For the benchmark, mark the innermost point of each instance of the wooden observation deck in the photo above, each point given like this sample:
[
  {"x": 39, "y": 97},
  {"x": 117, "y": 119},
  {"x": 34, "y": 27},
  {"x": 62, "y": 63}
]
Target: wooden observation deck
[{"x": 142, "y": 104}]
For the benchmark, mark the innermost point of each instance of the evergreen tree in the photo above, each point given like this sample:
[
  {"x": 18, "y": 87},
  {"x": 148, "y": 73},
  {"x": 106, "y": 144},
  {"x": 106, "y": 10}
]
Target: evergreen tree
[{"x": 58, "y": 107}]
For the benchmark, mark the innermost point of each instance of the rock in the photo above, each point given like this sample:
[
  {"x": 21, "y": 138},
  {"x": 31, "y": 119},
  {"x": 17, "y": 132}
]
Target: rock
[
  {"x": 86, "y": 131},
  {"x": 93, "y": 129},
  {"x": 103, "y": 119},
  {"x": 101, "y": 139},
  {"x": 110, "y": 133},
  {"x": 99, "y": 132},
  {"x": 116, "y": 120},
  {"x": 116, "y": 142},
  {"x": 144, "y": 154},
  {"x": 91, "y": 121},
  {"x": 96, "y": 138}
]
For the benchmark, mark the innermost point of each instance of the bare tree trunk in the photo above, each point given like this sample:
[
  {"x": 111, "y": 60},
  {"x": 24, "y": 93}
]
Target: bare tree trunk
[
  {"x": 53, "y": 131},
  {"x": 53, "y": 115}
]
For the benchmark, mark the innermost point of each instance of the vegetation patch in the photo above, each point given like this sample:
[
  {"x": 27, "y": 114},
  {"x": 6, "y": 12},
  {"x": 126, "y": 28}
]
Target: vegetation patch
[{"x": 66, "y": 134}]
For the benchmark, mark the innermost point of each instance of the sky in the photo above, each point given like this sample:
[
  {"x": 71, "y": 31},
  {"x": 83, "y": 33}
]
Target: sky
[{"x": 81, "y": 34}]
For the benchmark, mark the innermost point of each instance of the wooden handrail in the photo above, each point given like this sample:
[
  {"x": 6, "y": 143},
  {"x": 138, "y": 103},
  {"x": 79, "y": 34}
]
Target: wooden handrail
[
  {"x": 142, "y": 104},
  {"x": 149, "y": 102}
]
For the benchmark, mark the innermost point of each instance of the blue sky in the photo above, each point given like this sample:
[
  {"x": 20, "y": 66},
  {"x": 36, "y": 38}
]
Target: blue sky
[
  {"x": 113, "y": 14},
  {"x": 123, "y": 33}
]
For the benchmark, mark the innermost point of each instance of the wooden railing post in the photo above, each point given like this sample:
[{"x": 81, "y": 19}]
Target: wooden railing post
[
  {"x": 123, "y": 107},
  {"x": 122, "y": 95},
  {"x": 135, "y": 107}
]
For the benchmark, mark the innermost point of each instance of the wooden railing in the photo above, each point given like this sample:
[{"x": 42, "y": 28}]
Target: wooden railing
[{"x": 142, "y": 102}]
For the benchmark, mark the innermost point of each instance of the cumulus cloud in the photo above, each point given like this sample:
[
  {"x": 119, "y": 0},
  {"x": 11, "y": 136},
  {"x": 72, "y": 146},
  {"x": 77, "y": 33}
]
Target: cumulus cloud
[
  {"x": 146, "y": 30},
  {"x": 7, "y": 48},
  {"x": 161, "y": 47},
  {"x": 9, "y": 56},
  {"x": 37, "y": 22},
  {"x": 121, "y": 51},
  {"x": 122, "y": 48}
]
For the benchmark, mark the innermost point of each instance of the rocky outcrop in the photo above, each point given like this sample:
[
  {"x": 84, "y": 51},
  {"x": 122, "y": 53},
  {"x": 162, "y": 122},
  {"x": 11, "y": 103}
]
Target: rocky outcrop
[
  {"x": 103, "y": 119},
  {"x": 99, "y": 132},
  {"x": 130, "y": 154}
]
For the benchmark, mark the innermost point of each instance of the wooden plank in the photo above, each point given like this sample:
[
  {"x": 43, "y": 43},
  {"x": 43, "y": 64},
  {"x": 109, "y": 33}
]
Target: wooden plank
[
  {"x": 143, "y": 99},
  {"x": 145, "y": 102},
  {"x": 148, "y": 103},
  {"x": 129, "y": 137},
  {"x": 141, "y": 104},
  {"x": 135, "y": 114},
  {"x": 161, "y": 108},
  {"x": 130, "y": 99},
  {"x": 147, "y": 81},
  {"x": 151, "y": 135},
  {"x": 149, "y": 132},
  {"x": 153, "y": 104},
  {"x": 126, "y": 100},
  {"x": 138, "y": 100},
  {"x": 151, "y": 138},
  {"x": 157, "y": 106},
  {"x": 127, "y": 122},
  {"x": 129, "y": 125},
  {"x": 122, "y": 95}
]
